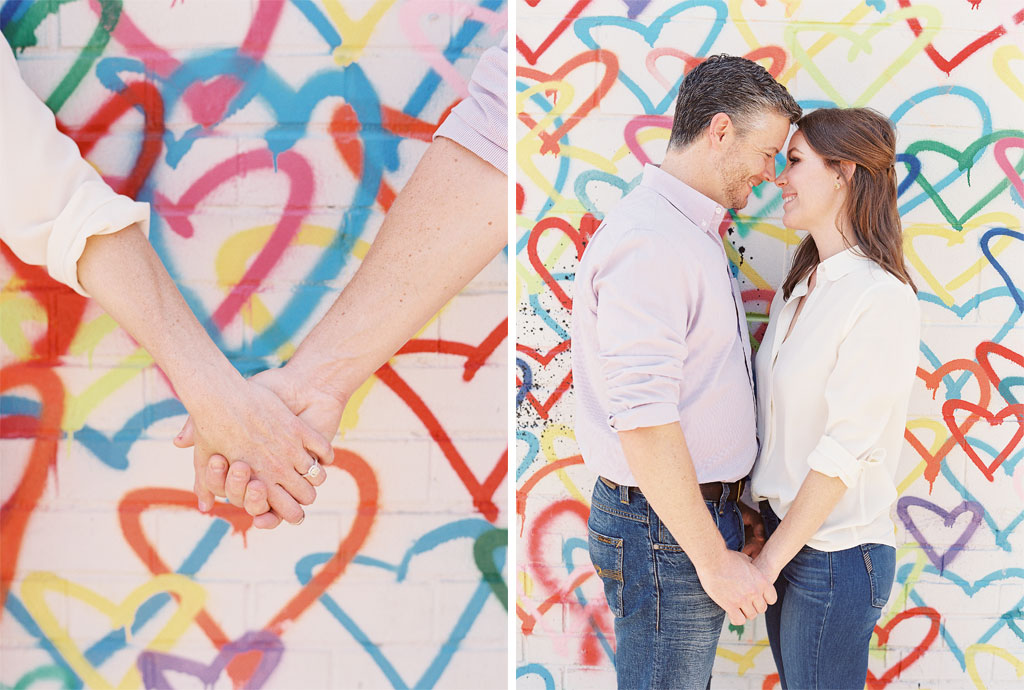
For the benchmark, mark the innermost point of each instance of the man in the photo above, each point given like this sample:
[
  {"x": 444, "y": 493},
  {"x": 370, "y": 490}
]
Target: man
[{"x": 661, "y": 362}]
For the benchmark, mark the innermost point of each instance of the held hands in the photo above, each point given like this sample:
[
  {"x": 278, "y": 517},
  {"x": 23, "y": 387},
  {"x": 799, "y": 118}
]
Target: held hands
[
  {"x": 753, "y": 530},
  {"x": 261, "y": 489},
  {"x": 735, "y": 584}
]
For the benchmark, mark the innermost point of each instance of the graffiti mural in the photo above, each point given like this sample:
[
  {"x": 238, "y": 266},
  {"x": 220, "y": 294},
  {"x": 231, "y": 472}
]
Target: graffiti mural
[
  {"x": 596, "y": 81},
  {"x": 270, "y": 138}
]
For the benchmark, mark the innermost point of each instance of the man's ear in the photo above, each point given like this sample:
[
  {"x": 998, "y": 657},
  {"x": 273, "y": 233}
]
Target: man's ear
[{"x": 720, "y": 130}]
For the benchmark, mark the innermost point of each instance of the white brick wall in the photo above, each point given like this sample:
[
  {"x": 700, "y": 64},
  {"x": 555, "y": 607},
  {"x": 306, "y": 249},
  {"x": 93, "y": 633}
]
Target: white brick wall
[
  {"x": 73, "y": 529},
  {"x": 985, "y": 87}
]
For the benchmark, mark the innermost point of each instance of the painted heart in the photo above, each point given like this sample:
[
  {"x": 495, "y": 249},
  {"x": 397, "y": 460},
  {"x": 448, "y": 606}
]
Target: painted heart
[
  {"x": 1002, "y": 533},
  {"x": 482, "y": 492},
  {"x": 964, "y": 160},
  {"x": 544, "y": 408},
  {"x": 594, "y": 203},
  {"x": 933, "y": 239},
  {"x": 950, "y": 407},
  {"x": 579, "y": 236},
  {"x": 882, "y": 634},
  {"x": 136, "y": 503},
  {"x": 531, "y": 55},
  {"x": 266, "y": 646},
  {"x": 188, "y": 595},
  {"x": 17, "y": 509},
  {"x": 1013, "y": 175},
  {"x": 178, "y": 214},
  {"x": 949, "y": 519},
  {"x": 947, "y": 65},
  {"x": 933, "y": 461},
  {"x": 362, "y": 633},
  {"x": 651, "y": 34},
  {"x": 861, "y": 45},
  {"x": 985, "y": 352},
  {"x": 555, "y": 589},
  {"x": 775, "y": 56},
  {"x": 553, "y": 82}
]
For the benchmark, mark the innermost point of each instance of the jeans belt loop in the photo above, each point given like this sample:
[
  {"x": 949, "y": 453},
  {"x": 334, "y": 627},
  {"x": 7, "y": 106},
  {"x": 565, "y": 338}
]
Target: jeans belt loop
[{"x": 623, "y": 494}]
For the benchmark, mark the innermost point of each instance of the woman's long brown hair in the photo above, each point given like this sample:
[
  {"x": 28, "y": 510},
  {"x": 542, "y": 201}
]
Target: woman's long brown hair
[{"x": 869, "y": 217}]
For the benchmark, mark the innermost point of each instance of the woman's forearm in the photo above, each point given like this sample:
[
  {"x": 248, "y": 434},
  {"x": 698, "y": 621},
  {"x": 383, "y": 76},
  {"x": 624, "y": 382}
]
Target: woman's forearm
[
  {"x": 123, "y": 273},
  {"x": 814, "y": 502}
]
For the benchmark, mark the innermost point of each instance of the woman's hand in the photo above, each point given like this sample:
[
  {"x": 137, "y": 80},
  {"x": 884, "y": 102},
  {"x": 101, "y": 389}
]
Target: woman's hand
[{"x": 216, "y": 476}]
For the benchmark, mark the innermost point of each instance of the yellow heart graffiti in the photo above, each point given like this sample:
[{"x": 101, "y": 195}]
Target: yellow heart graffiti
[
  {"x": 940, "y": 435},
  {"x": 1001, "y": 64},
  {"x": 737, "y": 19},
  {"x": 861, "y": 43},
  {"x": 18, "y": 308},
  {"x": 547, "y": 445},
  {"x": 189, "y": 596},
  {"x": 953, "y": 238},
  {"x": 998, "y": 652},
  {"x": 744, "y": 662}
]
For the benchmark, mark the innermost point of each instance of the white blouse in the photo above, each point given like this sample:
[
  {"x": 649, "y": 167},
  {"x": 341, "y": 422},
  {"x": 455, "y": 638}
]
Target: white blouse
[
  {"x": 833, "y": 397},
  {"x": 51, "y": 200}
]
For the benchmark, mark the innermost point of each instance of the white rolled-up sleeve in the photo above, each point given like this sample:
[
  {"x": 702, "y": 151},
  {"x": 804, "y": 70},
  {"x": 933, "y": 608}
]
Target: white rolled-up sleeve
[
  {"x": 641, "y": 330},
  {"x": 51, "y": 200},
  {"x": 873, "y": 374}
]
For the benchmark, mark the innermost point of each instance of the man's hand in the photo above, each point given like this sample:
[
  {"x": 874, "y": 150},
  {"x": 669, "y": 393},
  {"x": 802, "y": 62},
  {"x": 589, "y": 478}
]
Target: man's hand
[
  {"x": 737, "y": 586},
  {"x": 753, "y": 530},
  {"x": 320, "y": 410}
]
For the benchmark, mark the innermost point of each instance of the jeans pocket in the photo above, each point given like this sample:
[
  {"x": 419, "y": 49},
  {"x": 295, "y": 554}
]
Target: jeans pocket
[
  {"x": 606, "y": 555},
  {"x": 880, "y": 562}
]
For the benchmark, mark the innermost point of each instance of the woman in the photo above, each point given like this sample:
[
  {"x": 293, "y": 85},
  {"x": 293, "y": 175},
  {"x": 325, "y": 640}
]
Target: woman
[{"x": 834, "y": 375}]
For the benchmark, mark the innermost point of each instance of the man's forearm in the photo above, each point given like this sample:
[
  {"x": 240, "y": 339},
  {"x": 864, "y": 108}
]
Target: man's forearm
[
  {"x": 661, "y": 463},
  {"x": 814, "y": 502},
  {"x": 447, "y": 223},
  {"x": 123, "y": 273}
]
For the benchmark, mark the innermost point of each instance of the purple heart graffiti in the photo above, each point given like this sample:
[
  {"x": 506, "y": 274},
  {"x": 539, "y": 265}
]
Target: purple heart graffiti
[
  {"x": 154, "y": 665},
  {"x": 948, "y": 518}
]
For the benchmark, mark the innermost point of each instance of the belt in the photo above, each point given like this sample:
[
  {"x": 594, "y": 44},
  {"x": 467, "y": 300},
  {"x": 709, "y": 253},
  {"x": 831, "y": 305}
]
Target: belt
[{"x": 711, "y": 491}]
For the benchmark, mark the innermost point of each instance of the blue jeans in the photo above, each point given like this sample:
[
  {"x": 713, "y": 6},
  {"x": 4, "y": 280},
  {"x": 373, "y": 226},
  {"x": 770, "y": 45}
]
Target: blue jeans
[
  {"x": 829, "y": 602},
  {"x": 666, "y": 627}
]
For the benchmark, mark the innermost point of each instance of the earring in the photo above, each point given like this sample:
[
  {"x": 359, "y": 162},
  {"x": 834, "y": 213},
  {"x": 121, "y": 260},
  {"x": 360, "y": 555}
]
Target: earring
[{"x": 837, "y": 183}]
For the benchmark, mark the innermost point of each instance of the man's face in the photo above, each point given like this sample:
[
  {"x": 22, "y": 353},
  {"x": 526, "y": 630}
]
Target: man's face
[{"x": 750, "y": 159}]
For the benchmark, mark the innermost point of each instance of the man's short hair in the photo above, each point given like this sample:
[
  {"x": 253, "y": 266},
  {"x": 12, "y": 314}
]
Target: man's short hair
[{"x": 736, "y": 86}]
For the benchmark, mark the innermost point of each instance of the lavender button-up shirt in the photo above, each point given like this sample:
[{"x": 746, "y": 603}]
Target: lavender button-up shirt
[{"x": 659, "y": 336}]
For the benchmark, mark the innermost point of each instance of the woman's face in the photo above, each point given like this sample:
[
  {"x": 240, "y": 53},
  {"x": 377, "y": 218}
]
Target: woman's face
[{"x": 809, "y": 195}]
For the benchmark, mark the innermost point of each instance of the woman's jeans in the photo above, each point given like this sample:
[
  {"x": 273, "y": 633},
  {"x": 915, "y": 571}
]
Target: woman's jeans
[
  {"x": 829, "y": 602},
  {"x": 666, "y": 626}
]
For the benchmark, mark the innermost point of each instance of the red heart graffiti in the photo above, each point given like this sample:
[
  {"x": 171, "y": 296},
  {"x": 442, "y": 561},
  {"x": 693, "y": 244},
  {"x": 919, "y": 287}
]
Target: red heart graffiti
[
  {"x": 531, "y": 55},
  {"x": 611, "y": 71},
  {"x": 984, "y": 353},
  {"x": 933, "y": 463},
  {"x": 482, "y": 492},
  {"x": 948, "y": 65},
  {"x": 544, "y": 409},
  {"x": 579, "y": 236},
  {"x": 949, "y": 409},
  {"x": 874, "y": 683},
  {"x": 137, "y": 502},
  {"x": 17, "y": 510},
  {"x": 594, "y": 614}
]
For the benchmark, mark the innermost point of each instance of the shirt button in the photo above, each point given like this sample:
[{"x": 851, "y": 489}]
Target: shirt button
[{"x": 718, "y": 209}]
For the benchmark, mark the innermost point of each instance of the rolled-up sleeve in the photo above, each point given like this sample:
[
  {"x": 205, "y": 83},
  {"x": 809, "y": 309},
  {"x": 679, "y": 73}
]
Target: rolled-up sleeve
[
  {"x": 641, "y": 330},
  {"x": 480, "y": 122},
  {"x": 51, "y": 200},
  {"x": 874, "y": 372}
]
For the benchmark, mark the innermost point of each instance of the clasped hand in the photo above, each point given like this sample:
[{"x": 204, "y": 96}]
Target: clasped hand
[{"x": 257, "y": 453}]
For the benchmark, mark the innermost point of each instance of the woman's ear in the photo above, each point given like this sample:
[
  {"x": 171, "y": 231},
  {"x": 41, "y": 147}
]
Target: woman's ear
[{"x": 847, "y": 168}]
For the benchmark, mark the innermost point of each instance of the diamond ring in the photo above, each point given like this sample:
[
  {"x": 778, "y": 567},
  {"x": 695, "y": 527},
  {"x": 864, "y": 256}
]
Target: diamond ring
[{"x": 314, "y": 471}]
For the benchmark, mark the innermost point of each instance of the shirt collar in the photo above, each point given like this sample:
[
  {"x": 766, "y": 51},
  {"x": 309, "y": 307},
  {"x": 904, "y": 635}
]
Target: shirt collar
[
  {"x": 703, "y": 212},
  {"x": 833, "y": 268}
]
